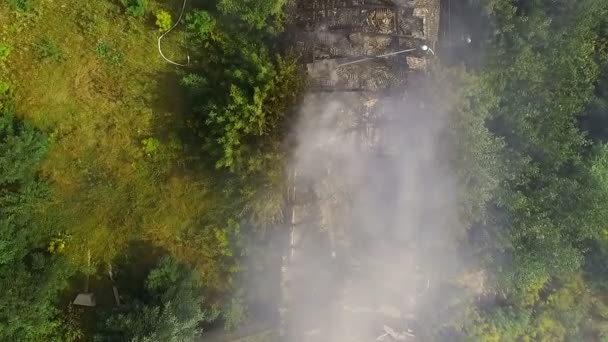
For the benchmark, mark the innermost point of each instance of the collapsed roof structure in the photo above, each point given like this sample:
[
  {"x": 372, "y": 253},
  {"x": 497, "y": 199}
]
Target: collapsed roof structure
[
  {"x": 335, "y": 34},
  {"x": 357, "y": 52}
]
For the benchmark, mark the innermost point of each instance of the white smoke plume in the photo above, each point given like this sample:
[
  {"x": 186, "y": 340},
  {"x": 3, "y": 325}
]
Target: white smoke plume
[{"x": 375, "y": 218}]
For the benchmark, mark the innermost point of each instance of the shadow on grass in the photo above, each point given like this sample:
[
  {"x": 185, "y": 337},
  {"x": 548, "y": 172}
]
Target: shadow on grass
[{"x": 133, "y": 267}]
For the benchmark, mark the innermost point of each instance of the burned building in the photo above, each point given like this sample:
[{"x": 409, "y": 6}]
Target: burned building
[
  {"x": 335, "y": 36},
  {"x": 357, "y": 53}
]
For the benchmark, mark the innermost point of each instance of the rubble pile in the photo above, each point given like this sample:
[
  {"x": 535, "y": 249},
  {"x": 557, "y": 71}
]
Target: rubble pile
[
  {"x": 333, "y": 32},
  {"x": 326, "y": 284}
]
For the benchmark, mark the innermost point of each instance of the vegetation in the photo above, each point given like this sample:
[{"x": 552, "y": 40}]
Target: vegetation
[
  {"x": 544, "y": 199},
  {"x": 20, "y": 5},
  {"x": 111, "y": 162},
  {"x": 5, "y": 50},
  {"x": 115, "y": 162},
  {"x": 30, "y": 277},
  {"x": 48, "y": 50},
  {"x": 241, "y": 106},
  {"x": 169, "y": 308},
  {"x": 263, "y": 15},
  {"x": 107, "y": 54},
  {"x": 163, "y": 20},
  {"x": 136, "y": 8}
]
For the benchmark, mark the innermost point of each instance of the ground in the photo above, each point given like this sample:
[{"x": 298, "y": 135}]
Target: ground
[{"x": 91, "y": 77}]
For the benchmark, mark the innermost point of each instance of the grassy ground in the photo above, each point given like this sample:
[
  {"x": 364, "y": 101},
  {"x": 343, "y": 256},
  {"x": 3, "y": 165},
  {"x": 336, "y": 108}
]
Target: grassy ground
[{"x": 91, "y": 77}]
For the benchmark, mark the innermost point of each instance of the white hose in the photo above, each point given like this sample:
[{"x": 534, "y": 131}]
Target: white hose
[{"x": 171, "y": 29}]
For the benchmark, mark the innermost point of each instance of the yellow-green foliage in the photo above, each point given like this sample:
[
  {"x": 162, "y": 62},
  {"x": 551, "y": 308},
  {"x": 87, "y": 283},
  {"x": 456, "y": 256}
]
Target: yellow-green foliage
[
  {"x": 528, "y": 295},
  {"x": 561, "y": 314},
  {"x": 151, "y": 146},
  {"x": 56, "y": 246},
  {"x": 5, "y": 50},
  {"x": 163, "y": 20}
]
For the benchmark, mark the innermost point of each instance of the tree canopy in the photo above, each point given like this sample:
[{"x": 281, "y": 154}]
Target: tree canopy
[{"x": 30, "y": 276}]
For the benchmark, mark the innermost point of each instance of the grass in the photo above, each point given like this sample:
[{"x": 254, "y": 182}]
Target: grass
[{"x": 90, "y": 76}]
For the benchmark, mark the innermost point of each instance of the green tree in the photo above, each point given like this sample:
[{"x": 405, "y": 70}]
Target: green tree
[
  {"x": 241, "y": 110},
  {"x": 547, "y": 200},
  {"x": 550, "y": 202},
  {"x": 261, "y": 14},
  {"x": 135, "y": 8},
  {"x": 169, "y": 310},
  {"x": 30, "y": 277}
]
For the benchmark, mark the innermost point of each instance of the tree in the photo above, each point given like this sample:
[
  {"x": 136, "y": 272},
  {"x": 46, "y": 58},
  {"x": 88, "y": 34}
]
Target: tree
[
  {"x": 30, "y": 277},
  {"x": 544, "y": 204},
  {"x": 261, "y": 14},
  {"x": 241, "y": 107},
  {"x": 550, "y": 204},
  {"x": 169, "y": 310}
]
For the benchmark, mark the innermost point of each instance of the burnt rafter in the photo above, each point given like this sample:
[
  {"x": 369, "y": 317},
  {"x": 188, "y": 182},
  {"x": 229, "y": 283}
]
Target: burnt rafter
[
  {"x": 333, "y": 45},
  {"x": 379, "y": 20},
  {"x": 365, "y": 4},
  {"x": 378, "y": 17},
  {"x": 361, "y": 45}
]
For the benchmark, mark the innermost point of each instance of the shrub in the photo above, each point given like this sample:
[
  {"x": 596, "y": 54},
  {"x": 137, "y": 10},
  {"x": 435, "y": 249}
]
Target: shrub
[
  {"x": 5, "y": 50},
  {"x": 151, "y": 146},
  {"x": 3, "y": 94},
  {"x": 261, "y": 14},
  {"x": 49, "y": 50},
  {"x": 3, "y": 89},
  {"x": 107, "y": 54},
  {"x": 235, "y": 312},
  {"x": 135, "y": 8},
  {"x": 163, "y": 20},
  {"x": 19, "y": 5}
]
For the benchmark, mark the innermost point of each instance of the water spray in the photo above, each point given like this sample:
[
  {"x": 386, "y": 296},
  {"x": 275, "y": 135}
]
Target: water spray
[{"x": 427, "y": 49}]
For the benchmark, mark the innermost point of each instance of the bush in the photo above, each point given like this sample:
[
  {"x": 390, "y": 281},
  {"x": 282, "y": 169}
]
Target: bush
[
  {"x": 5, "y": 50},
  {"x": 48, "y": 50},
  {"x": 107, "y": 54},
  {"x": 3, "y": 90},
  {"x": 135, "y": 8},
  {"x": 261, "y": 14},
  {"x": 163, "y": 20},
  {"x": 235, "y": 312},
  {"x": 19, "y": 5}
]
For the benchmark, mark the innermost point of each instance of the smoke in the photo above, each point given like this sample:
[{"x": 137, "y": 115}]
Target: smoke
[{"x": 375, "y": 218}]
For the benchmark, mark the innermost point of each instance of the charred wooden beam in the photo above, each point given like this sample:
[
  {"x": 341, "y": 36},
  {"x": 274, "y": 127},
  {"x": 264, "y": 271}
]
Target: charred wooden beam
[{"x": 367, "y": 4}]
